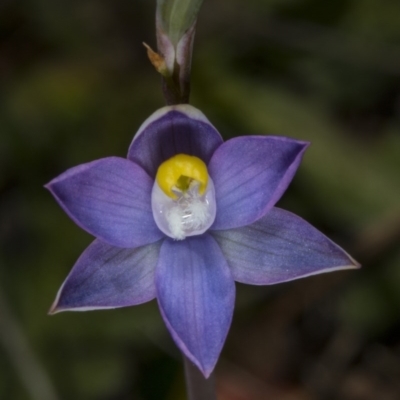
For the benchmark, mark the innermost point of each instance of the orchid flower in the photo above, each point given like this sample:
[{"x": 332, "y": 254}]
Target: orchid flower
[{"x": 181, "y": 219}]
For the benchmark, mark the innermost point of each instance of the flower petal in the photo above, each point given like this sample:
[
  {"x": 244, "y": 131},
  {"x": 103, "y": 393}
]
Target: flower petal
[
  {"x": 280, "y": 247},
  {"x": 173, "y": 130},
  {"x": 109, "y": 277},
  {"x": 196, "y": 295},
  {"x": 111, "y": 199},
  {"x": 250, "y": 174}
]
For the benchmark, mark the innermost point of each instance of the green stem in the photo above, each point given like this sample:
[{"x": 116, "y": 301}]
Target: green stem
[{"x": 198, "y": 387}]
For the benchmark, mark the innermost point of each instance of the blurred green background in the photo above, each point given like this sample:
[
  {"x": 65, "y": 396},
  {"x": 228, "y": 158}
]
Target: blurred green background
[{"x": 76, "y": 85}]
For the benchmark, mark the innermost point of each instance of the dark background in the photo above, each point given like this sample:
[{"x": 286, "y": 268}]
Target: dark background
[{"x": 76, "y": 85}]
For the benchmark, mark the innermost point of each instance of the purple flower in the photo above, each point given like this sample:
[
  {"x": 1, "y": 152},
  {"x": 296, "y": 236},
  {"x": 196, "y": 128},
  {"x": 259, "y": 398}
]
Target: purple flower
[{"x": 182, "y": 229}]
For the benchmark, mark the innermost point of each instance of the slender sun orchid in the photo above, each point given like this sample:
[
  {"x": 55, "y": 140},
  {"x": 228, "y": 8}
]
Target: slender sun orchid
[{"x": 181, "y": 219}]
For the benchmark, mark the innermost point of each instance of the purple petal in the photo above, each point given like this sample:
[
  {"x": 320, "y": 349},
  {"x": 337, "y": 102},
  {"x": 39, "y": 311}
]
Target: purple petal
[
  {"x": 196, "y": 295},
  {"x": 109, "y": 277},
  {"x": 111, "y": 199},
  {"x": 280, "y": 247},
  {"x": 250, "y": 174},
  {"x": 173, "y": 130}
]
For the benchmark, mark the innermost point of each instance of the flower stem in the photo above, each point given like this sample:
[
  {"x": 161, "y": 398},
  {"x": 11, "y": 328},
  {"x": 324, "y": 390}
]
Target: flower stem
[{"x": 198, "y": 387}]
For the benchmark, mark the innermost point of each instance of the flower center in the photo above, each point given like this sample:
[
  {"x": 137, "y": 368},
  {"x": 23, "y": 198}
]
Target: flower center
[{"x": 183, "y": 197}]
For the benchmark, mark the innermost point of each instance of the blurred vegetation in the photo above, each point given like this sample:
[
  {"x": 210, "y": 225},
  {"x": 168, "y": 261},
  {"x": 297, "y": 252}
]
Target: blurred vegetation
[{"x": 76, "y": 85}]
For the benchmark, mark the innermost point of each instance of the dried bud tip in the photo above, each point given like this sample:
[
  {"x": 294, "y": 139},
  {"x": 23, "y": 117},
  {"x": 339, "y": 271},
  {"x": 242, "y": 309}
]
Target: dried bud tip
[{"x": 157, "y": 61}]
